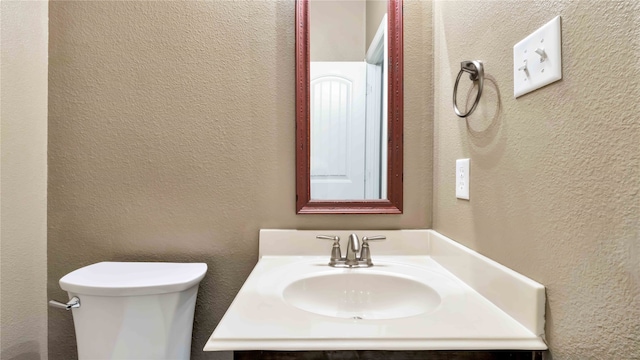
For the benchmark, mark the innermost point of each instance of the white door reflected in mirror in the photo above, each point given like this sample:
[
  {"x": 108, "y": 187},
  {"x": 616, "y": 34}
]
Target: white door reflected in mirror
[
  {"x": 348, "y": 107},
  {"x": 338, "y": 130}
]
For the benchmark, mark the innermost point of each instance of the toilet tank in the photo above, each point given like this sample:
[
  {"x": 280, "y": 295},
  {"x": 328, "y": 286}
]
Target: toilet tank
[{"x": 134, "y": 310}]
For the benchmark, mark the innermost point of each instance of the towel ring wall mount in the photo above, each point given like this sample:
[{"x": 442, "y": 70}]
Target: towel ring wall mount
[{"x": 476, "y": 74}]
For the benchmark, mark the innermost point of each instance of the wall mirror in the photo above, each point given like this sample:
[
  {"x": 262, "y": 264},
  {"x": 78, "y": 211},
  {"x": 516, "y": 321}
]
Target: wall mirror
[{"x": 349, "y": 107}]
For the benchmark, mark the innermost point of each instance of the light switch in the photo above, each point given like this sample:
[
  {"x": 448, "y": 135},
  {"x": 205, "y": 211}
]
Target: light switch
[
  {"x": 462, "y": 179},
  {"x": 537, "y": 60}
]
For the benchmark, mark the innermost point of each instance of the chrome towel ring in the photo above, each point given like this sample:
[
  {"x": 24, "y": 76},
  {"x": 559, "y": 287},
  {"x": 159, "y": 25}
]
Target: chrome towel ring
[{"x": 476, "y": 73}]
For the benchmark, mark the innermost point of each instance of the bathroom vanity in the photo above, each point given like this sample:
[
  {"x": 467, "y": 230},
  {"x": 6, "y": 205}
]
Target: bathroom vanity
[{"x": 424, "y": 292}]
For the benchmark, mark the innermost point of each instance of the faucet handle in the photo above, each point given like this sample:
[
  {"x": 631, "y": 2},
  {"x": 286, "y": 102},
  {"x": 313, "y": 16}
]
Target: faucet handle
[
  {"x": 329, "y": 237},
  {"x": 336, "y": 254},
  {"x": 365, "y": 254},
  {"x": 376, "y": 237}
]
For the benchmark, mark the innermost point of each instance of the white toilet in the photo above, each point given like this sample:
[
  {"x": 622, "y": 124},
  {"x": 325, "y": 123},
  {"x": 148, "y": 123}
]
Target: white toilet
[{"x": 129, "y": 310}]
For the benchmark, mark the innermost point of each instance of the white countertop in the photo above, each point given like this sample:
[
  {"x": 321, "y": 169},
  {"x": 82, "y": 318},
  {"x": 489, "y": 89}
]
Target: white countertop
[{"x": 260, "y": 319}]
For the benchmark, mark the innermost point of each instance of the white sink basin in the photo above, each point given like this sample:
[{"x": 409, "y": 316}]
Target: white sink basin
[
  {"x": 358, "y": 295},
  {"x": 414, "y": 298}
]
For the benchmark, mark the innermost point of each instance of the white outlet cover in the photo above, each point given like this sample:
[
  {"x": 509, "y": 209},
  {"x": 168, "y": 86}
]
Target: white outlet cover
[
  {"x": 533, "y": 70},
  {"x": 462, "y": 179}
]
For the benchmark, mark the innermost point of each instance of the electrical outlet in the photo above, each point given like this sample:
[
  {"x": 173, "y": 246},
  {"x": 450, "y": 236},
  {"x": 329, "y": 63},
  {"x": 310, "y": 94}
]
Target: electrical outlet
[{"x": 462, "y": 179}]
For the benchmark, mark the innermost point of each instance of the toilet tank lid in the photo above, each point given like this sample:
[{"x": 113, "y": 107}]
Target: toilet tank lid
[{"x": 133, "y": 278}]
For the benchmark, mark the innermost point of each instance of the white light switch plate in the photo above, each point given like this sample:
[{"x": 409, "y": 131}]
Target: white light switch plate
[
  {"x": 462, "y": 179},
  {"x": 537, "y": 60}
]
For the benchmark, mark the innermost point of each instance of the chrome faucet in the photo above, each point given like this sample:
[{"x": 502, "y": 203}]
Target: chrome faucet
[
  {"x": 357, "y": 255},
  {"x": 353, "y": 250}
]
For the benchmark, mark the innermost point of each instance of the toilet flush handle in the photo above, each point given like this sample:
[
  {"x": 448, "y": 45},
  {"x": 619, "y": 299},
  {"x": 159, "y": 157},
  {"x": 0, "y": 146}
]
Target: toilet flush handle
[{"x": 74, "y": 303}]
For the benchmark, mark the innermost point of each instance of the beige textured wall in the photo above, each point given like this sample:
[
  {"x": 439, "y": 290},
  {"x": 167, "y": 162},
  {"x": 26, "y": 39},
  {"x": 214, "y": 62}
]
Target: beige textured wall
[
  {"x": 554, "y": 183},
  {"x": 337, "y": 30},
  {"x": 171, "y": 137},
  {"x": 375, "y": 11},
  {"x": 23, "y": 237}
]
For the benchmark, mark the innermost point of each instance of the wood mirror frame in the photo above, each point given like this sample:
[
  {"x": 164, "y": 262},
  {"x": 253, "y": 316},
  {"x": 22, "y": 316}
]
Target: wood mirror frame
[{"x": 393, "y": 203}]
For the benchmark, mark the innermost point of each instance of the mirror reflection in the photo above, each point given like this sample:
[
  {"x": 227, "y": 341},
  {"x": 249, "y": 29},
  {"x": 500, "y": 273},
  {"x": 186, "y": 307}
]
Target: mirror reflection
[{"x": 348, "y": 99}]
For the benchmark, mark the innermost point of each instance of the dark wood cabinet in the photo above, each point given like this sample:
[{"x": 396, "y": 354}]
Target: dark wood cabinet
[{"x": 392, "y": 355}]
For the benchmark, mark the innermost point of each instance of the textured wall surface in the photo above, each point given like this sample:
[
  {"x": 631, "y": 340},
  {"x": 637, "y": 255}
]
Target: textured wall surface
[
  {"x": 171, "y": 137},
  {"x": 376, "y": 9},
  {"x": 555, "y": 190},
  {"x": 337, "y": 30},
  {"x": 23, "y": 238}
]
